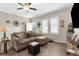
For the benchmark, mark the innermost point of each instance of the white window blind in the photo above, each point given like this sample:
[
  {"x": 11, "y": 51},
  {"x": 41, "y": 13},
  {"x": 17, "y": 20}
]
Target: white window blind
[
  {"x": 54, "y": 25},
  {"x": 29, "y": 26},
  {"x": 44, "y": 26},
  {"x": 34, "y": 26}
]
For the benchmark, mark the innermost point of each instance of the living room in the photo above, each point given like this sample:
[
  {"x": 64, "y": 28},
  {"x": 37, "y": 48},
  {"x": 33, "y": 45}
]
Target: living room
[{"x": 44, "y": 24}]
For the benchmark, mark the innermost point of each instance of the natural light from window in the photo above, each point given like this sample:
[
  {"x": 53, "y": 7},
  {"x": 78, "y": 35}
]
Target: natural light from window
[
  {"x": 45, "y": 26},
  {"x": 29, "y": 26},
  {"x": 34, "y": 26},
  {"x": 54, "y": 25}
]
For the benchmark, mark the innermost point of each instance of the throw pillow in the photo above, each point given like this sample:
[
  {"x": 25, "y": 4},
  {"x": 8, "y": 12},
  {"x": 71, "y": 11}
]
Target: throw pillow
[
  {"x": 77, "y": 43},
  {"x": 19, "y": 36},
  {"x": 28, "y": 35}
]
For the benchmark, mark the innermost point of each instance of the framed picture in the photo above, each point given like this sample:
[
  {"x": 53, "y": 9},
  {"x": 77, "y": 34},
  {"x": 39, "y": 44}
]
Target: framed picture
[
  {"x": 61, "y": 23},
  {"x": 7, "y": 21},
  {"x": 22, "y": 23},
  {"x": 15, "y": 23}
]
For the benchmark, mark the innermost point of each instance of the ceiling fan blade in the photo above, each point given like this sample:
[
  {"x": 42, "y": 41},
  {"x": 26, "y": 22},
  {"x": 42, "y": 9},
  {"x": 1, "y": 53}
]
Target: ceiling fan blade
[
  {"x": 21, "y": 4},
  {"x": 29, "y": 3},
  {"x": 33, "y": 8},
  {"x": 19, "y": 8}
]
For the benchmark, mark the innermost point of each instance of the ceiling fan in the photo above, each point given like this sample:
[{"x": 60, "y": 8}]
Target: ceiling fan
[{"x": 26, "y": 6}]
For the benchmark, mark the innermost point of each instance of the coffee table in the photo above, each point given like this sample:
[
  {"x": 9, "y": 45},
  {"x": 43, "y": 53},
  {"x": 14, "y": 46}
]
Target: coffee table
[{"x": 34, "y": 48}]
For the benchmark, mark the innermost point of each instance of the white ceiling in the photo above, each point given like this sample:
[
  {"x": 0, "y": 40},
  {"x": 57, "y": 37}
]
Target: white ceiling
[{"x": 42, "y": 8}]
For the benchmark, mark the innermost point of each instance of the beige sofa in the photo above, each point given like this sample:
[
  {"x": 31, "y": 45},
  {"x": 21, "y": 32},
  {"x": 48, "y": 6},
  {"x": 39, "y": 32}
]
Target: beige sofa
[{"x": 21, "y": 40}]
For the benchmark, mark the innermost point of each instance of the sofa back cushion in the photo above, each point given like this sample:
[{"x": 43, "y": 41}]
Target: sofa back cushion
[
  {"x": 23, "y": 35},
  {"x": 29, "y": 34},
  {"x": 36, "y": 34},
  {"x": 32, "y": 34}
]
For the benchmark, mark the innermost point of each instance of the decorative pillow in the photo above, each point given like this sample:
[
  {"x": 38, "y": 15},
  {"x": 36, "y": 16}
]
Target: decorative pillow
[
  {"x": 19, "y": 35},
  {"x": 77, "y": 43},
  {"x": 28, "y": 35},
  {"x": 77, "y": 38},
  {"x": 25, "y": 34},
  {"x": 17, "y": 39},
  {"x": 33, "y": 34}
]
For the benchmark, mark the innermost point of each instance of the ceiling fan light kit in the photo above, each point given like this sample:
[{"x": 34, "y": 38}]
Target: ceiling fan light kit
[{"x": 26, "y": 6}]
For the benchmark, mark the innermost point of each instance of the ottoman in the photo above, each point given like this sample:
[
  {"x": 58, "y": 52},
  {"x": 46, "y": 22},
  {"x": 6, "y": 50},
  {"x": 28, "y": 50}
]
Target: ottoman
[
  {"x": 42, "y": 40},
  {"x": 34, "y": 48}
]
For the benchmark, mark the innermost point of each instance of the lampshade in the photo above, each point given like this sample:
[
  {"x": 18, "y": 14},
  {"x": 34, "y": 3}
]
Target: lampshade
[{"x": 4, "y": 29}]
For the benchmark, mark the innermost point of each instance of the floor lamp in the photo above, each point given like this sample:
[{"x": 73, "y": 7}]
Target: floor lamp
[{"x": 4, "y": 39}]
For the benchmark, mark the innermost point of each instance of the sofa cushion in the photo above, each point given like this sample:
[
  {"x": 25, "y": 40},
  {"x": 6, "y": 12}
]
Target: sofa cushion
[
  {"x": 25, "y": 41},
  {"x": 41, "y": 37},
  {"x": 35, "y": 34},
  {"x": 32, "y": 39},
  {"x": 20, "y": 35}
]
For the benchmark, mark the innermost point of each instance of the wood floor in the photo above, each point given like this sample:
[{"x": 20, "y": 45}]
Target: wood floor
[{"x": 51, "y": 49}]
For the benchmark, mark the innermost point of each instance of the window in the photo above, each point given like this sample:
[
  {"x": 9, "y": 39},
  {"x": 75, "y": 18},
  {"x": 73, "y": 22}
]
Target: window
[
  {"x": 34, "y": 26},
  {"x": 29, "y": 26},
  {"x": 44, "y": 25},
  {"x": 54, "y": 25}
]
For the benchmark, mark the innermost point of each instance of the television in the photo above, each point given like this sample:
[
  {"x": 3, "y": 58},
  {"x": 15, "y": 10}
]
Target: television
[{"x": 75, "y": 15}]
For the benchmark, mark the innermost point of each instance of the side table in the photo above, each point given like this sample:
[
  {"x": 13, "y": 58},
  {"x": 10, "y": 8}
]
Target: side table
[{"x": 5, "y": 44}]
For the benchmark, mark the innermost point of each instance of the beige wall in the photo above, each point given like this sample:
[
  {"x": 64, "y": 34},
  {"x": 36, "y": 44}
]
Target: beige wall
[
  {"x": 5, "y": 16},
  {"x": 63, "y": 15}
]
